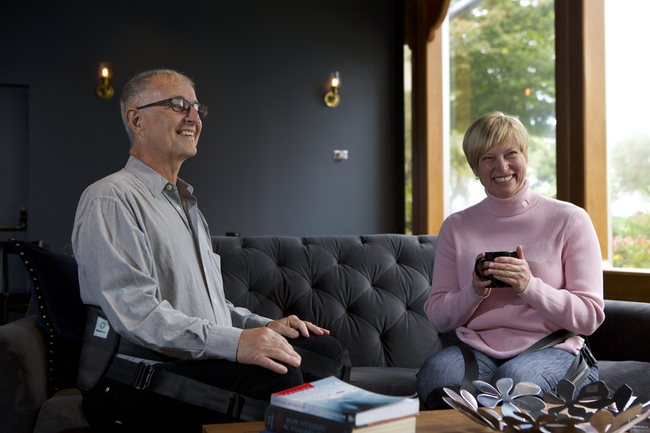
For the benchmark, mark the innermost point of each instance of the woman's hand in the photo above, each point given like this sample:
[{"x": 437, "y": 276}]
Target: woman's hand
[
  {"x": 480, "y": 286},
  {"x": 510, "y": 270}
]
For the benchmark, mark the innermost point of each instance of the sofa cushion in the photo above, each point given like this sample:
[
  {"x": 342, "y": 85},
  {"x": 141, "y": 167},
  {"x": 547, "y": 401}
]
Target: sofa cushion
[
  {"x": 369, "y": 291},
  {"x": 61, "y": 414},
  {"x": 612, "y": 343},
  {"x": 22, "y": 374},
  {"x": 635, "y": 374},
  {"x": 382, "y": 380},
  {"x": 59, "y": 310}
]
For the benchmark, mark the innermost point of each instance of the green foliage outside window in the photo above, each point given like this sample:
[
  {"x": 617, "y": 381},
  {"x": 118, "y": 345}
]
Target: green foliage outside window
[
  {"x": 499, "y": 50},
  {"x": 631, "y": 241},
  {"x": 630, "y": 173},
  {"x": 502, "y": 57}
]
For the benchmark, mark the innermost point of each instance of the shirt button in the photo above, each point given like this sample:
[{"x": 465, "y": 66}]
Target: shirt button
[
  {"x": 178, "y": 208},
  {"x": 169, "y": 187},
  {"x": 214, "y": 301}
]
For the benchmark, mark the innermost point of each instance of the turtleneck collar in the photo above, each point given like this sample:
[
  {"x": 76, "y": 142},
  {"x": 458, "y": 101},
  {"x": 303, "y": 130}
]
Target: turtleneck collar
[{"x": 518, "y": 203}]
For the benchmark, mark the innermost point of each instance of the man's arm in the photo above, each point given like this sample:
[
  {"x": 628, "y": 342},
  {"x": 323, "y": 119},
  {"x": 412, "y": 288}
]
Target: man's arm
[{"x": 117, "y": 272}]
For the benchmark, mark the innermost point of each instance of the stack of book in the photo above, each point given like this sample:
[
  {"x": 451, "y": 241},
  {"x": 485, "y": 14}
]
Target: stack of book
[{"x": 333, "y": 406}]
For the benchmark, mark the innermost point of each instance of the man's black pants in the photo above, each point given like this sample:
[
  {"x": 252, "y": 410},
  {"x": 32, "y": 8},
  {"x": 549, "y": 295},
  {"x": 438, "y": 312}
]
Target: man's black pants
[{"x": 112, "y": 406}]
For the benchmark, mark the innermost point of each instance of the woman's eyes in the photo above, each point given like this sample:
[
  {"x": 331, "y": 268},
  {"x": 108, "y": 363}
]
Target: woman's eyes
[{"x": 513, "y": 153}]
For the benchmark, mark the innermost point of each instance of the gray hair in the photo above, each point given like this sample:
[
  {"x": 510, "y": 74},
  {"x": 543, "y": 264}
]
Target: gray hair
[{"x": 135, "y": 89}]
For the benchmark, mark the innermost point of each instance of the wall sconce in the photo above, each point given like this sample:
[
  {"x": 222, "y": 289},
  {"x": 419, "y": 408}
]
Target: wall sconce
[
  {"x": 105, "y": 90},
  {"x": 332, "y": 98}
]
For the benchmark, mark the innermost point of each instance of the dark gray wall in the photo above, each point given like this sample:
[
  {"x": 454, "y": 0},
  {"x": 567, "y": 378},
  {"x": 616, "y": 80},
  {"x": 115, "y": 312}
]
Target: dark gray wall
[
  {"x": 14, "y": 154},
  {"x": 265, "y": 164}
]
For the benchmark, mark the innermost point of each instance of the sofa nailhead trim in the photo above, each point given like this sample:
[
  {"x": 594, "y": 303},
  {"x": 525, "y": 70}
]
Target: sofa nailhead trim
[{"x": 43, "y": 308}]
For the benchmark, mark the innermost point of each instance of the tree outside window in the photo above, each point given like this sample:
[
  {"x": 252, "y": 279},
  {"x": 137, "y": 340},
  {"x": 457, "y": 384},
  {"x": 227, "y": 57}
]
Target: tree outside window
[{"x": 502, "y": 58}]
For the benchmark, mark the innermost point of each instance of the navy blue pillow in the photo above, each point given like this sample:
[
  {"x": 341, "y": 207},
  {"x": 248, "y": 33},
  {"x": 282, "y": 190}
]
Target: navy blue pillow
[{"x": 59, "y": 310}]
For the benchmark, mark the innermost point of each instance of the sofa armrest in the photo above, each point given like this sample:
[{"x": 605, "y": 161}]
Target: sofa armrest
[
  {"x": 624, "y": 333},
  {"x": 23, "y": 379}
]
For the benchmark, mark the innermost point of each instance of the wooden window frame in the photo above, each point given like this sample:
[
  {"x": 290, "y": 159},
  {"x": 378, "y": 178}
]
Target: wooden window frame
[{"x": 581, "y": 130}]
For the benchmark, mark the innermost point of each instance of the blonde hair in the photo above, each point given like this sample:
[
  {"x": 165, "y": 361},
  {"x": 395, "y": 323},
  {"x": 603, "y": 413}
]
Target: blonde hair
[
  {"x": 135, "y": 89},
  {"x": 490, "y": 130}
]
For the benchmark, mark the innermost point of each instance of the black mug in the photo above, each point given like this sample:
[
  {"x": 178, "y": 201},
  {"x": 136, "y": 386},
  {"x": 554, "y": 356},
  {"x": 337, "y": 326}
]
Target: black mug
[{"x": 489, "y": 257}]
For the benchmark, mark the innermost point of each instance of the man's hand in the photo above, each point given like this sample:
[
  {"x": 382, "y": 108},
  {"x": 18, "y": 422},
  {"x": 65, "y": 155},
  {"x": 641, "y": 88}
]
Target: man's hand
[
  {"x": 292, "y": 327},
  {"x": 265, "y": 347}
]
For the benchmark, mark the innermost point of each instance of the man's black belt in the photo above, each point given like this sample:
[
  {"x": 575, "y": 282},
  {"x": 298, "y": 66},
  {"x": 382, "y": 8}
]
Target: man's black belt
[{"x": 142, "y": 375}]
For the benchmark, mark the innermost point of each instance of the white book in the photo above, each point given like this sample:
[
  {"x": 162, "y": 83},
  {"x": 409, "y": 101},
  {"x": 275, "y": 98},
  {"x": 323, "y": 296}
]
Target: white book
[{"x": 334, "y": 399}]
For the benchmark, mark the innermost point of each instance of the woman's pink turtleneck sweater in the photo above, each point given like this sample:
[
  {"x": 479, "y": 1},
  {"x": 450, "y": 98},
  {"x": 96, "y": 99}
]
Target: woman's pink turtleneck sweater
[{"x": 565, "y": 290}]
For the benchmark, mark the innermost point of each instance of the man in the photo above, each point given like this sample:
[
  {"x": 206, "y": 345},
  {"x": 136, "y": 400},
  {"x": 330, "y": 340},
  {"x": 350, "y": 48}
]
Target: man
[{"x": 145, "y": 258}]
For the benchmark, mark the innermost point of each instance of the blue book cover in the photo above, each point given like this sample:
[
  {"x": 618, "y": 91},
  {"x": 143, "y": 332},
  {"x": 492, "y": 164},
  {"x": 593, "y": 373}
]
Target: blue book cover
[{"x": 334, "y": 399}]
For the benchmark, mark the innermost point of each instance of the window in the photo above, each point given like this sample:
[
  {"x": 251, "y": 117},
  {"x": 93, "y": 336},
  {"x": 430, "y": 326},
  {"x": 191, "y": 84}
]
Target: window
[
  {"x": 408, "y": 143},
  {"x": 581, "y": 166},
  {"x": 628, "y": 132},
  {"x": 501, "y": 58}
]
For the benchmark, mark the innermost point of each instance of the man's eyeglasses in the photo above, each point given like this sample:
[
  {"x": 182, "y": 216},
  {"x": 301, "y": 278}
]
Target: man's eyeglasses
[{"x": 181, "y": 105}]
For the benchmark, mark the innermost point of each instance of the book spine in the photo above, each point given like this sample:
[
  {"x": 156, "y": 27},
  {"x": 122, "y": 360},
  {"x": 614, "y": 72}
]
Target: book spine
[{"x": 279, "y": 420}]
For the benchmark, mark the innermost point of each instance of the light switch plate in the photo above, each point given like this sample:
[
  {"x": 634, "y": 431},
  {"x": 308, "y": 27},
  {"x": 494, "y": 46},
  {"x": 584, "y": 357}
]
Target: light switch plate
[{"x": 340, "y": 155}]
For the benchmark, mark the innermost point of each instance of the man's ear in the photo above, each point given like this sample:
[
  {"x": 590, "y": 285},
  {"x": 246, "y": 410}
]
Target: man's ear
[{"x": 134, "y": 120}]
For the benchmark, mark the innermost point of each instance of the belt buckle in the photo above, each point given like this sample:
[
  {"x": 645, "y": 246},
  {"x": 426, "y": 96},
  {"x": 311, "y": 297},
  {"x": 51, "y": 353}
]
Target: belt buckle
[{"x": 143, "y": 375}]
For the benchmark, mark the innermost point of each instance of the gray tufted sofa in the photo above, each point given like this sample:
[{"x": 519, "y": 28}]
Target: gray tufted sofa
[{"x": 368, "y": 290}]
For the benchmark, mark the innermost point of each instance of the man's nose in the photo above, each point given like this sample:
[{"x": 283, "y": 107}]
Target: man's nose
[{"x": 193, "y": 115}]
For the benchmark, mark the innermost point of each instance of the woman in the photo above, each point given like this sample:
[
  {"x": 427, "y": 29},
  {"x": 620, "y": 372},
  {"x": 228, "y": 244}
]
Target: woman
[{"x": 556, "y": 277}]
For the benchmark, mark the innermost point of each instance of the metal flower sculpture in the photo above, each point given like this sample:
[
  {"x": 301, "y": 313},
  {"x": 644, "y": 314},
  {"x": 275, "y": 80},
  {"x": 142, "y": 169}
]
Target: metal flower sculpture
[
  {"x": 467, "y": 404},
  {"x": 545, "y": 423},
  {"x": 592, "y": 411},
  {"x": 524, "y": 396},
  {"x": 593, "y": 395}
]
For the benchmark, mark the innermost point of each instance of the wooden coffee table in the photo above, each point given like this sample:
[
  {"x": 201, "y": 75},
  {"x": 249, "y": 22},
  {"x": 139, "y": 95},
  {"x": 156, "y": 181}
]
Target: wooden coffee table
[{"x": 433, "y": 421}]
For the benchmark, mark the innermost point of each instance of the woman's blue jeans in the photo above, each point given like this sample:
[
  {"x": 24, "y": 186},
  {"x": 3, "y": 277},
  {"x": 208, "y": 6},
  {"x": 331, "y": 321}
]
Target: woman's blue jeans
[{"x": 545, "y": 368}]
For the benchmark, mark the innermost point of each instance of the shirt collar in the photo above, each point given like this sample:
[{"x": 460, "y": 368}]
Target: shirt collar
[
  {"x": 154, "y": 182},
  {"x": 524, "y": 199}
]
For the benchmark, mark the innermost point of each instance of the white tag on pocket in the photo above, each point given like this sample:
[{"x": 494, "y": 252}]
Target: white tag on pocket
[{"x": 101, "y": 328}]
